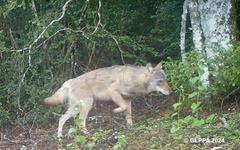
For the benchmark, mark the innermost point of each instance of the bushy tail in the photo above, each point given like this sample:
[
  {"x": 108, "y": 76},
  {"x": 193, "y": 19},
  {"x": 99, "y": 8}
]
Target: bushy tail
[{"x": 57, "y": 98}]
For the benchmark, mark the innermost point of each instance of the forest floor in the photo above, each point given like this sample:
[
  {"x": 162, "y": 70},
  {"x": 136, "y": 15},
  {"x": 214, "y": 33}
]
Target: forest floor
[{"x": 154, "y": 127}]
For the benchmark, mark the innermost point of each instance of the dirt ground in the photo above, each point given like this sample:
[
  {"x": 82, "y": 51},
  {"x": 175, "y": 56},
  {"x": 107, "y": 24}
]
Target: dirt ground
[{"x": 43, "y": 136}]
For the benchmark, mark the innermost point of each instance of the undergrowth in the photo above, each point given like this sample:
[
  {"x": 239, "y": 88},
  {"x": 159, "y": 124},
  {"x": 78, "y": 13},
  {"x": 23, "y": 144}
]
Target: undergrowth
[
  {"x": 190, "y": 125},
  {"x": 166, "y": 133}
]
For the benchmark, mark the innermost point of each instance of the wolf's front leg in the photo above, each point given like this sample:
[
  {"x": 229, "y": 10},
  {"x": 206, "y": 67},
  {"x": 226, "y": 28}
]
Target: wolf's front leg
[
  {"x": 118, "y": 99},
  {"x": 128, "y": 113}
]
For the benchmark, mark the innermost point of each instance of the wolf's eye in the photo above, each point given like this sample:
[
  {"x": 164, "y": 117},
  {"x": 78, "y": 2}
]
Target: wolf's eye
[{"x": 160, "y": 81}]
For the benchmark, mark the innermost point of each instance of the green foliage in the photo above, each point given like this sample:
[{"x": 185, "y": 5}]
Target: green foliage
[
  {"x": 185, "y": 79},
  {"x": 121, "y": 142},
  {"x": 133, "y": 29},
  {"x": 78, "y": 140},
  {"x": 225, "y": 71},
  {"x": 141, "y": 31},
  {"x": 159, "y": 132},
  {"x": 195, "y": 107}
]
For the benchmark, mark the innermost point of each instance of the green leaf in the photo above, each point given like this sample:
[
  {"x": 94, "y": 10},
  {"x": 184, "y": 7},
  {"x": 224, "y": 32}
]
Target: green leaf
[
  {"x": 188, "y": 119},
  {"x": 198, "y": 123},
  {"x": 195, "y": 107},
  {"x": 79, "y": 139},
  {"x": 192, "y": 95},
  {"x": 177, "y": 137},
  {"x": 194, "y": 80},
  {"x": 72, "y": 130},
  {"x": 174, "y": 129},
  {"x": 202, "y": 88},
  {"x": 211, "y": 118},
  {"x": 68, "y": 146},
  {"x": 174, "y": 114},
  {"x": 177, "y": 105},
  {"x": 120, "y": 143},
  {"x": 91, "y": 145}
]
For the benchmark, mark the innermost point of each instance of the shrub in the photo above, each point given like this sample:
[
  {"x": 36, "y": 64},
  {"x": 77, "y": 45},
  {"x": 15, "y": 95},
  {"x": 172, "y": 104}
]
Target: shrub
[{"x": 185, "y": 76}]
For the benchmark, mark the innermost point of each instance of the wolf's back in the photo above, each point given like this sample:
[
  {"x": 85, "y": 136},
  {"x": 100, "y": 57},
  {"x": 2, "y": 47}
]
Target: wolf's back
[{"x": 58, "y": 97}]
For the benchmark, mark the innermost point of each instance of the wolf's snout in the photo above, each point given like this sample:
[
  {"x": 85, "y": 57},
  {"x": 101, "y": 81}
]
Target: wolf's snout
[{"x": 169, "y": 91}]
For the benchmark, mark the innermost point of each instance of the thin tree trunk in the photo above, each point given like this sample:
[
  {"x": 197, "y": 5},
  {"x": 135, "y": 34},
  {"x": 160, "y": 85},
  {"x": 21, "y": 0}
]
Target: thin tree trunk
[
  {"x": 183, "y": 29},
  {"x": 191, "y": 6}
]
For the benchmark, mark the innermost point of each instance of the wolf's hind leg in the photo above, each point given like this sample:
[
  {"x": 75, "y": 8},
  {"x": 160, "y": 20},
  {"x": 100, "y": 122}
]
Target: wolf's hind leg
[
  {"x": 86, "y": 106},
  {"x": 68, "y": 114}
]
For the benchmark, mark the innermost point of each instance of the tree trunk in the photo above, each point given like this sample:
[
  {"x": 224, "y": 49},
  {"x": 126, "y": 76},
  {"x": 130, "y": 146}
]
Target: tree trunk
[
  {"x": 196, "y": 25},
  {"x": 216, "y": 25},
  {"x": 211, "y": 24},
  {"x": 211, "y": 28}
]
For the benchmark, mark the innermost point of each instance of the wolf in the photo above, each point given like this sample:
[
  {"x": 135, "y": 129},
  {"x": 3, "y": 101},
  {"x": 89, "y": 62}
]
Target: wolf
[{"x": 117, "y": 83}]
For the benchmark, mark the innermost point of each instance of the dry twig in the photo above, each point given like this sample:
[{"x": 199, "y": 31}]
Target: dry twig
[
  {"x": 32, "y": 44},
  {"x": 99, "y": 24}
]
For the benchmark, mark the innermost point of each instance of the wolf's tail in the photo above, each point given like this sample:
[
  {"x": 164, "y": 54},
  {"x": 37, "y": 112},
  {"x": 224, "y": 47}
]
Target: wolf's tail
[{"x": 58, "y": 97}]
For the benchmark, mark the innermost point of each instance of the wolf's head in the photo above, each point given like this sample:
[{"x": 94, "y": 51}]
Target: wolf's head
[{"x": 157, "y": 80}]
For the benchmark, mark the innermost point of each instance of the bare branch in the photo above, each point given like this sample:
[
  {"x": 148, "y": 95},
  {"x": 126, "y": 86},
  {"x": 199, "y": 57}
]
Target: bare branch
[
  {"x": 19, "y": 87},
  {"x": 99, "y": 17},
  {"x": 51, "y": 36},
  {"x": 91, "y": 55},
  {"x": 53, "y": 21},
  {"x": 45, "y": 29},
  {"x": 34, "y": 9},
  {"x": 65, "y": 29},
  {"x": 84, "y": 10},
  {"x": 19, "y": 50},
  {"x": 31, "y": 45},
  {"x": 119, "y": 48},
  {"x": 71, "y": 50},
  {"x": 12, "y": 39},
  {"x": 54, "y": 34}
]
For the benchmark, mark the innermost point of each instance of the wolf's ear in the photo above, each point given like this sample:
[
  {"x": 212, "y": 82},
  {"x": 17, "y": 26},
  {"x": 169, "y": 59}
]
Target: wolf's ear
[
  {"x": 158, "y": 66},
  {"x": 149, "y": 67}
]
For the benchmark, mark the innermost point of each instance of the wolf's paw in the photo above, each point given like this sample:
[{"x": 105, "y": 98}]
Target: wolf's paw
[
  {"x": 85, "y": 132},
  {"x": 59, "y": 135},
  {"x": 129, "y": 122},
  {"x": 119, "y": 109}
]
